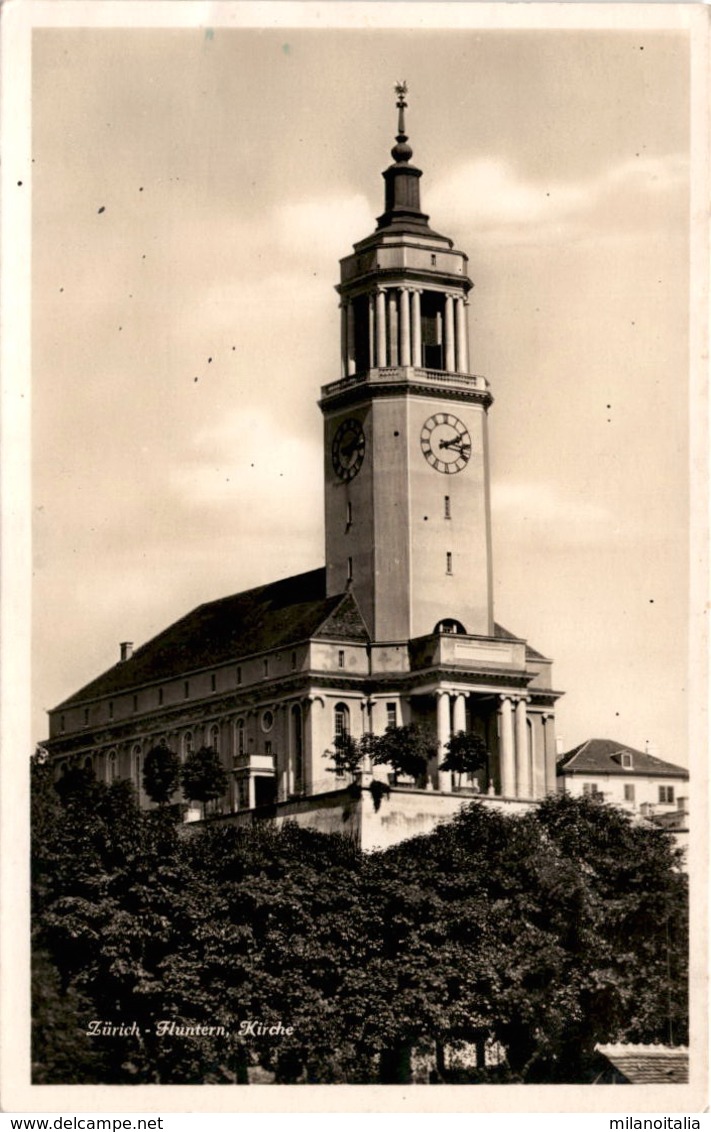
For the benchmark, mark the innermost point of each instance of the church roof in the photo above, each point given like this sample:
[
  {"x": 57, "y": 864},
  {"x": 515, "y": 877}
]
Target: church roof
[
  {"x": 277, "y": 615},
  {"x": 604, "y": 756},
  {"x": 258, "y": 620}
]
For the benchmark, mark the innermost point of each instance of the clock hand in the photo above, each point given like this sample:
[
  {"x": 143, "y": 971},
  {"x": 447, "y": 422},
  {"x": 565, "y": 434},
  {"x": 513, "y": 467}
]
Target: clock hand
[{"x": 455, "y": 443}]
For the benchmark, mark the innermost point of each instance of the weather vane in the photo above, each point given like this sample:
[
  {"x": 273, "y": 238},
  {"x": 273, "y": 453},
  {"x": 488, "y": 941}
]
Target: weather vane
[{"x": 401, "y": 91}]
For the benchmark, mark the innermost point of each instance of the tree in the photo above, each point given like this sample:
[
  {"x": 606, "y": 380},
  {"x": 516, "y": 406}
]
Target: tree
[
  {"x": 543, "y": 932},
  {"x": 466, "y": 754},
  {"x": 348, "y": 753},
  {"x": 407, "y": 749},
  {"x": 203, "y": 777},
  {"x": 161, "y": 773}
]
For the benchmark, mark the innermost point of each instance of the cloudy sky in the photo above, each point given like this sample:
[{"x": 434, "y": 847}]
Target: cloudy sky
[{"x": 192, "y": 192}]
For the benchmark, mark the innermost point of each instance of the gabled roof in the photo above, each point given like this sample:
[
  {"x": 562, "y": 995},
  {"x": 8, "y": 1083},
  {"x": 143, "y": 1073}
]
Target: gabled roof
[
  {"x": 604, "y": 756},
  {"x": 503, "y": 635},
  {"x": 258, "y": 620}
]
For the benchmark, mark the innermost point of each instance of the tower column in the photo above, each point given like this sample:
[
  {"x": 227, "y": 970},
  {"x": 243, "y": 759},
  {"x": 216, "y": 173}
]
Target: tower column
[
  {"x": 508, "y": 772},
  {"x": 416, "y": 329},
  {"x": 405, "y": 349},
  {"x": 344, "y": 337},
  {"x": 392, "y": 327},
  {"x": 371, "y": 331},
  {"x": 444, "y": 734},
  {"x": 449, "y": 360},
  {"x": 381, "y": 357},
  {"x": 461, "y": 324},
  {"x": 350, "y": 337},
  {"x": 523, "y": 755}
]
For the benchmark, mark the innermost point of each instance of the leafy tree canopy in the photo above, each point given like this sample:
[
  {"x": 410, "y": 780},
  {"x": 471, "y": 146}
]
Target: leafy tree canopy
[
  {"x": 544, "y": 933},
  {"x": 161, "y": 772}
]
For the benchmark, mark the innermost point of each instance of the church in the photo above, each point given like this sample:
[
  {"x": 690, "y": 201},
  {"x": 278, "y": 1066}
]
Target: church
[{"x": 397, "y": 626}]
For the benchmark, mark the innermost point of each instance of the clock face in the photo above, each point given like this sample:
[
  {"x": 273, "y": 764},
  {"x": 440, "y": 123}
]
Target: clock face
[
  {"x": 445, "y": 443},
  {"x": 348, "y": 449}
]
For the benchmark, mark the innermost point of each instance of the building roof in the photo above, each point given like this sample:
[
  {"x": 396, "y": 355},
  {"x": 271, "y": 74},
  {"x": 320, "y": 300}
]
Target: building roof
[
  {"x": 604, "y": 756},
  {"x": 258, "y": 620},
  {"x": 268, "y": 617},
  {"x": 648, "y": 1064}
]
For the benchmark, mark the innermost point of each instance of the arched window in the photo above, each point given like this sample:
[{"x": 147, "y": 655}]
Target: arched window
[
  {"x": 187, "y": 744},
  {"x": 112, "y": 766},
  {"x": 241, "y": 744},
  {"x": 449, "y": 625},
  {"x": 215, "y": 736},
  {"x": 89, "y": 763},
  {"x": 341, "y": 720}
]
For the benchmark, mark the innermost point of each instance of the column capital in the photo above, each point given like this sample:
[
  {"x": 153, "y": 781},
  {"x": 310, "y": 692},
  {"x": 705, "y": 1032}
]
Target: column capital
[{"x": 442, "y": 692}]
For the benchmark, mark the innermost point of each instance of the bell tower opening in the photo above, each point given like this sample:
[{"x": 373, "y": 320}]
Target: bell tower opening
[{"x": 432, "y": 318}]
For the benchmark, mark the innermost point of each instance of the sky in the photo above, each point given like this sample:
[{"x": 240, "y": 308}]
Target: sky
[{"x": 192, "y": 193}]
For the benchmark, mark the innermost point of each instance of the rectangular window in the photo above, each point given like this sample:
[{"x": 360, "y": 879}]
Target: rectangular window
[
  {"x": 626, "y": 760},
  {"x": 61, "y": 723},
  {"x": 341, "y": 658},
  {"x": 666, "y": 795},
  {"x": 239, "y": 675},
  {"x": 265, "y": 666},
  {"x": 135, "y": 703},
  {"x": 629, "y": 792},
  {"x": 449, "y": 562},
  {"x": 267, "y": 747},
  {"x": 391, "y": 710},
  {"x": 86, "y": 716},
  {"x": 186, "y": 689},
  {"x": 160, "y": 696},
  {"x": 213, "y": 682},
  {"x": 591, "y": 790},
  {"x": 447, "y": 507},
  {"x": 111, "y": 709},
  {"x": 350, "y": 569},
  {"x": 349, "y": 515},
  {"x": 293, "y": 660}
]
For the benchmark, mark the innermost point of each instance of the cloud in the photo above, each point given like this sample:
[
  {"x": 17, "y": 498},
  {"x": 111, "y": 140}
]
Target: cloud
[
  {"x": 550, "y": 512},
  {"x": 489, "y": 195}
]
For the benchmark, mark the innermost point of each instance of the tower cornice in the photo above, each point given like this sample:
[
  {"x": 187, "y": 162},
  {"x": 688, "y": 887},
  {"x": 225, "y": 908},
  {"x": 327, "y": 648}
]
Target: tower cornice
[{"x": 407, "y": 381}]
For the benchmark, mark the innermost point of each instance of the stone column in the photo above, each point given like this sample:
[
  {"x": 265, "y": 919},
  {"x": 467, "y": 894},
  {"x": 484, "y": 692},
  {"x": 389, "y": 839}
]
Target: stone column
[
  {"x": 549, "y": 751},
  {"x": 344, "y": 337},
  {"x": 392, "y": 327},
  {"x": 461, "y": 324},
  {"x": 371, "y": 331},
  {"x": 444, "y": 734},
  {"x": 523, "y": 754},
  {"x": 416, "y": 328},
  {"x": 449, "y": 361},
  {"x": 460, "y": 712},
  {"x": 405, "y": 349},
  {"x": 506, "y": 753},
  {"x": 381, "y": 354},
  {"x": 350, "y": 324}
]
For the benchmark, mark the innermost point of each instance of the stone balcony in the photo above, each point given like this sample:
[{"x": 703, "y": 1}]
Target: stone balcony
[{"x": 453, "y": 650}]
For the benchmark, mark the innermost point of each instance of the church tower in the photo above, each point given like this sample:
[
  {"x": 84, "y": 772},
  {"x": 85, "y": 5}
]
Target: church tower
[{"x": 406, "y": 449}]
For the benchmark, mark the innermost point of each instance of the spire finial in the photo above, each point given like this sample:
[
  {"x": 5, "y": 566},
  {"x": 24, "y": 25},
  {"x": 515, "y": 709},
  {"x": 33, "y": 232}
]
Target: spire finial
[{"x": 401, "y": 152}]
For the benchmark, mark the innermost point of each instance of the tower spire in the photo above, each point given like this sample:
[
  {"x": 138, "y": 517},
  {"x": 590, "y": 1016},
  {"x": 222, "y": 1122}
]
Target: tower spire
[
  {"x": 401, "y": 152},
  {"x": 402, "y": 189}
]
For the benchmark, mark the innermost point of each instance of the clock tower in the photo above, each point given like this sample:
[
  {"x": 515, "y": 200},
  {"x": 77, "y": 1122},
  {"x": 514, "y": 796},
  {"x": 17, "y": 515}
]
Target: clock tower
[{"x": 406, "y": 450}]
